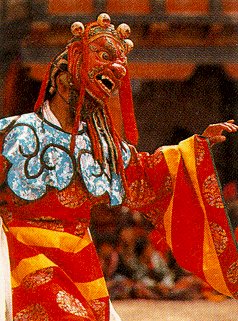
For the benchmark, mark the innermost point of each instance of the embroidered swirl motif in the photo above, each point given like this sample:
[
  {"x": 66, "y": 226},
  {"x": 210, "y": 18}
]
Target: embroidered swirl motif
[
  {"x": 99, "y": 309},
  {"x": 232, "y": 273},
  {"x": 81, "y": 227},
  {"x": 5, "y": 122},
  {"x": 33, "y": 168},
  {"x": 73, "y": 196},
  {"x": 70, "y": 304},
  {"x": 211, "y": 192},
  {"x": 200, "y": 154},
  {"x": 219, "y": 237},
  {"x": 38, "y": 278},
  {"x": 98, "y": 181},
  {"x": 39, "y": 156},
  {"x": 140, "y": 192},
  {"x": 47, "y": 222},
  {"x": 34, "y": 312}
]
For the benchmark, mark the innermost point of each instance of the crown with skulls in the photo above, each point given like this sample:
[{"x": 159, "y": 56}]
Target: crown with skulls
[
  {"x": 84, "y": 34},
  {"x": 103, "y": 27},
  {"x": 77, "y": 47}
]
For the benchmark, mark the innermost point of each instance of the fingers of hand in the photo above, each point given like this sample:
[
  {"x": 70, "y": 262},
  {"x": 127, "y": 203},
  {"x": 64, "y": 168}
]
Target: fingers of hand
[
  {"x": 230, "y": 121},
  {"x": 229, "y": 126},
  {"x": 217, "y": 129}
]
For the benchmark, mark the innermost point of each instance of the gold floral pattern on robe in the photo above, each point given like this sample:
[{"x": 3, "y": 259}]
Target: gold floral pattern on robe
[
  {"x": 34, "y": 312},
  {"x": 68, "y": 303},
  {"x": 38, "y": 278},
  {"x": 47, "y": 222},
  {"x": 232, "y": 273},
  {"x": 219, "y": 237},
  {"x": 72, "y": 196},
  {"x": 99, "y": 309},
  {"x": 211, "y": 192}
]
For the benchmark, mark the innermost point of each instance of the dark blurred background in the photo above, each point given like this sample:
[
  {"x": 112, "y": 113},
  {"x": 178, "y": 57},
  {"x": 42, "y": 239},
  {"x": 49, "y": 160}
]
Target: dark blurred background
[{"x": 184, "y": 76}]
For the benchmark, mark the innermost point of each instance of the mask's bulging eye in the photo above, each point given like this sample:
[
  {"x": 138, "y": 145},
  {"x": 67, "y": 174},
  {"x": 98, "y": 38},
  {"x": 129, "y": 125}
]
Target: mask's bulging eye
[{"x": 104, "y": 55}]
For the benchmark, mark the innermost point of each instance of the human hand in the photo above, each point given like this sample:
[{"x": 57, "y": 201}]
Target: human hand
[{"x": 214, "y": 131}]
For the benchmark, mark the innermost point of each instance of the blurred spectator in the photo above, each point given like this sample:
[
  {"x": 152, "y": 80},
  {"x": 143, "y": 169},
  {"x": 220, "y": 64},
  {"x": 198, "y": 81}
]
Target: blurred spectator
[
  {"x": 230, "y": 191},
  {"x": 121, "y": 281},
  {"x": 128, "y": 262},
  {"x": 231, "y": 198},
  {"x": 108, "y": 257},
  {"x": 233, "y": 214},
  {"x": 152, "y": 269},
  {"x": 137, "y": 270}
]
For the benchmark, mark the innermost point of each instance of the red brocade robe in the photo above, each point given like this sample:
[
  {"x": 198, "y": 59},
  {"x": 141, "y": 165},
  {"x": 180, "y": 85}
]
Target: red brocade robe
[{"x": 55, "y": 269}]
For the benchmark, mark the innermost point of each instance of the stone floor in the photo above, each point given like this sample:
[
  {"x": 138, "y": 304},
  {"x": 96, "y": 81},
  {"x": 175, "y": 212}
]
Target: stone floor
[{"x": 142, "y": 310}]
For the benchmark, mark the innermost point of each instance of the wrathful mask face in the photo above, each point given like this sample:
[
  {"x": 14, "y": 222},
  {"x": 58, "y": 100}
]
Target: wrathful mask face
[{"x": 106, "y": 67}]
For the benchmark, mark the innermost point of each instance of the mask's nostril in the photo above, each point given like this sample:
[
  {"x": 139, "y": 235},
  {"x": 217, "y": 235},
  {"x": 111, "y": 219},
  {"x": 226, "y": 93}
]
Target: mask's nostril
[{"x": 118, "y": 70}]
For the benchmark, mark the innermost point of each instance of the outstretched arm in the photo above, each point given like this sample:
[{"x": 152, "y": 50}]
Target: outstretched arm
[{"x": 214, "y": 132}]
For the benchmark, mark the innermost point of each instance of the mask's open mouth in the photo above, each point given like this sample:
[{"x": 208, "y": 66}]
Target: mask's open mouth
[{"x": 105, "y": 82}]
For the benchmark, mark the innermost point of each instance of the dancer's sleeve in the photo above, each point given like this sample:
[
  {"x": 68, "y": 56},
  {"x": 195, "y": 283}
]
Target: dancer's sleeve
[{"x": 178, "y": 189}]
